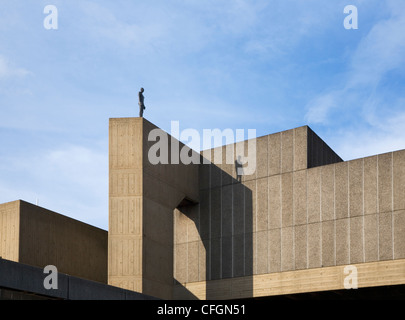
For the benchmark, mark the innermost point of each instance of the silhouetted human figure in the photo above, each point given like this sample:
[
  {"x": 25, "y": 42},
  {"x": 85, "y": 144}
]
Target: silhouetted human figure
[
  {"x": 141, "y": 104},
  {"x": 239, "y": 169}
]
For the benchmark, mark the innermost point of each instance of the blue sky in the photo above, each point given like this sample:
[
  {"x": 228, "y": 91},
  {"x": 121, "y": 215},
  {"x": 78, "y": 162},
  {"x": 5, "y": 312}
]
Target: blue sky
[{"x": 239, "y": 64}]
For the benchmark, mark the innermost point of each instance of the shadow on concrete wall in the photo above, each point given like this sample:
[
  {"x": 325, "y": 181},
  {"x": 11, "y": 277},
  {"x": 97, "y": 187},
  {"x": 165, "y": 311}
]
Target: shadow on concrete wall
[{"x": 224, "y": 220}]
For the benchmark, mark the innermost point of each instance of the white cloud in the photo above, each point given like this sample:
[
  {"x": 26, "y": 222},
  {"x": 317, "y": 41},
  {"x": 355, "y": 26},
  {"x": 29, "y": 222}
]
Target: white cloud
[
  {"x": 145, "y": 29},
  {"x": 379, "y": 52},
  {"x": 382, "y": 50},
  {"x": 287, "y": 23},
  {"x": 71, "y": 180},
  {"x": 363, "y": 142},
  {"x": 320, "y": 107},
  {"x": 168, "y": 27},
  {"x": 366, "y": 116},
  {"x": 7, "y": 70}
]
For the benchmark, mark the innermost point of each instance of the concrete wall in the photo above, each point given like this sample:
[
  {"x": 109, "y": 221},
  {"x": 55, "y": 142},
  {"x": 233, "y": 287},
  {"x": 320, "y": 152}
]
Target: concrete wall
[
  {"x": 319, "y": 153},
  {"x": 142, "y": 199},
  {"x": 302, "y": 209},
  {"x": 164, "y": 188},
  {"x": 38, "y": 237},
  {"x": 125, "y": 205},
  {"x": 74, "y": 247},
  {"x": 9, "y": 230},
  {"x": 228, "y": 233}
]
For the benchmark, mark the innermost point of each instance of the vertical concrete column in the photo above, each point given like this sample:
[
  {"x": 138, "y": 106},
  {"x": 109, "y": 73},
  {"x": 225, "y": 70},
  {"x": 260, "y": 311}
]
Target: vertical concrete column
[
  {"x": 10, "y": 230},
  {"x": 142, "y": 198},
  {"x": 125, "y": 234}
]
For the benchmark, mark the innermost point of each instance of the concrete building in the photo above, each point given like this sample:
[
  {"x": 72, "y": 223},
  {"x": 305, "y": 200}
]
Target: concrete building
[
  {"x": 304, "y": 222},
  {"x": 194, "y": 231}
]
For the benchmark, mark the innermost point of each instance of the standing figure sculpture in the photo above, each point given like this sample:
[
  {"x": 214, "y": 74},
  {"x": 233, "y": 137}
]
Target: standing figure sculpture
[
  {"x": 239, "y": 169},
  {"x": 141, "y": 104}
]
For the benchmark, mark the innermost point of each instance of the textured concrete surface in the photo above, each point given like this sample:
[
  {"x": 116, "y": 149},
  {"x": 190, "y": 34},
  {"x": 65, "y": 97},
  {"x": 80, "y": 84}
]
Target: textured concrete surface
[
  {"x": 143, "y": 197},
  {"x": 304, "y": 208},
  {"x": 196, "y": 231},
  {"x": 36, "y": 236}
]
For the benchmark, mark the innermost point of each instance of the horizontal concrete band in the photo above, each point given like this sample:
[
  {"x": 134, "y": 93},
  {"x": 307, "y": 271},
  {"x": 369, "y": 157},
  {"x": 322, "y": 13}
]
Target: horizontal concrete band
[{"x": 372, "y": 274}]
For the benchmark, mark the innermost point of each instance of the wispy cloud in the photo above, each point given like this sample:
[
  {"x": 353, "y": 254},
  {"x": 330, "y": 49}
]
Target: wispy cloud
[
  {"x": 71, "y": 180},
  {"x": 321, "y": 106},
  {"x": 8, "y": 70},
  {"x": 380, "y": 52},
  {"x": 365, "y": 141},
  {"x": 364, "y": 111}
]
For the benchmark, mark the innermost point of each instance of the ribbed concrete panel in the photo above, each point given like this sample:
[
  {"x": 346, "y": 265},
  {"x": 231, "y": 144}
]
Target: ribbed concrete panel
[
  {"x": 262, "y": 162},
  {"x": 9, "y": 230},
  {"x": 274, "y": 189},
  {"x": 385, "y": 242},
  {"x": 274, "y": 154},
  {"x": 300, "y": 197},
  {"x": 356, "y": 188},
  {"x": 370, "y": 185},
  {"x": 356, "y": 240},
  {"x": 314, "y": 250},
  {"x": 287, "y": 249},
  {"x": 300, "y": 148},
  {"x": 370, "y": 238},
  {"x": 262, "y": 204},
  {"x": 274, "y": 250},
  {"x": 399, "y": 234},
  {"x": 385, "y": 182},
  {"x": 341, "y": 190},
  {"x": 328, "y": 243},
  {"x": 287, "y": 151},
  {"x": 342, "y": 241},
  {"x": 287, "y": 199},
  {"x": 314, "y": 195},
  {"x": 399, "y": 180},
  {"x": 262, "y": 252},
  {"x": 300, "y": 246},
  {"x": 327, "y": 193}
]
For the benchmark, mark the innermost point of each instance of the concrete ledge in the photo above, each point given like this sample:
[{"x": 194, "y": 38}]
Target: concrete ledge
[
  {"x": 22, "y": 277},
  {"x": 371, "y": 274},
  {"x": 25, "y": 278}
]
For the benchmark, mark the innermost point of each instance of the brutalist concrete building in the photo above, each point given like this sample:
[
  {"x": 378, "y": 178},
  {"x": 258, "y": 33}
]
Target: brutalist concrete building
[{"x": 303, "y": 222}]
